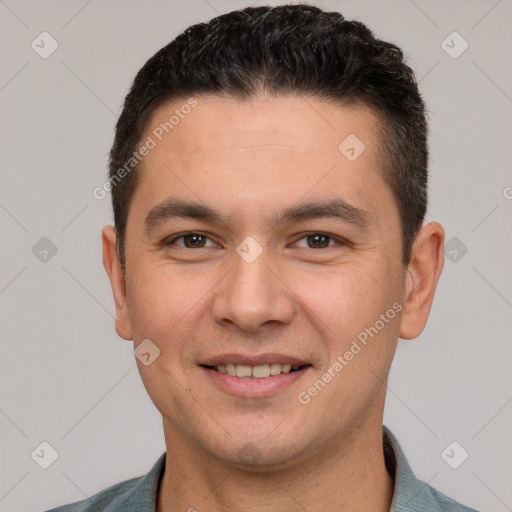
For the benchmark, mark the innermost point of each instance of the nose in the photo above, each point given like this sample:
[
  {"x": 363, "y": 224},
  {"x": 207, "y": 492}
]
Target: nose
[{"x": 253, "y": 296}]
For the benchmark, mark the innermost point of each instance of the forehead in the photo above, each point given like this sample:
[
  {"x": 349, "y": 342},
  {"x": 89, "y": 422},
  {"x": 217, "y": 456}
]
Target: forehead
[
  {"x": 262, "y": 153},
  {"x": 299, "y": 123}
]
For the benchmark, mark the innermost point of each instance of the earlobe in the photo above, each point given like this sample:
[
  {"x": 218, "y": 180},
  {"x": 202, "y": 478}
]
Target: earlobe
[
  {"x": 422, "y": 276},
  {"x": 117, "y": 281}
]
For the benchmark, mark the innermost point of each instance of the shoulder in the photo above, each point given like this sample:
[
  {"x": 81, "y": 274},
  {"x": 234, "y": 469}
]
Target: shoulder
[
  {"x": 411, "y": 494},
  {"x": 135, "y": 495},
  {"x": 112, "y": 499},
  {"x": 446, "y": 504}
]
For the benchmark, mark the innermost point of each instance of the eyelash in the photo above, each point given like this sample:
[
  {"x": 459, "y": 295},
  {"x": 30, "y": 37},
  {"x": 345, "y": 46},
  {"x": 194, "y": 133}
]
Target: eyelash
[{"x": 339, "y": 241}]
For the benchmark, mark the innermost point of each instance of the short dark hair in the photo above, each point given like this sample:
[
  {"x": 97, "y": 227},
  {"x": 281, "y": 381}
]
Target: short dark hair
[{"x": 289, "y": 49}]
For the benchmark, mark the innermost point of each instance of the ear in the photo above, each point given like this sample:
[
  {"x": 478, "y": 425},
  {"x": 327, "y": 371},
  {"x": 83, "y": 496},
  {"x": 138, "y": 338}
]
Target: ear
[
  {"x": 117, "y": 281},
  {"x": 423, "y": 271}
]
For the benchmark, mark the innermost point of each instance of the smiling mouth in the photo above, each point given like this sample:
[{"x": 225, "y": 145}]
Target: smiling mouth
[{"x": 262, "y": 371}]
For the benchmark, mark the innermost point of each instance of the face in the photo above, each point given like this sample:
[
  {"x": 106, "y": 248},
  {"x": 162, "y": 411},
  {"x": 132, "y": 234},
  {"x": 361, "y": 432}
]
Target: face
[{"x": 257, "y": 246}]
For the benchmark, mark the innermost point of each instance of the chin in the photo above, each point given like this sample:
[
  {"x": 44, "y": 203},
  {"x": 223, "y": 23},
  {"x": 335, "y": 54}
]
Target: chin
[
  {"x": 255, "y": 458},
  {"x": 259, "y": 451}
]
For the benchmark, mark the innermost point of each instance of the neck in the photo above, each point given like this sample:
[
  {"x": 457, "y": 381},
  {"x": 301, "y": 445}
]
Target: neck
[{"x": 347, "y": 475}]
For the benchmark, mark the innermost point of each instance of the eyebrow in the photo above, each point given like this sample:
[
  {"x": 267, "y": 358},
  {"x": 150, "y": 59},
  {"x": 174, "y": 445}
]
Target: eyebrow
[{"x": 334, "y": 208}]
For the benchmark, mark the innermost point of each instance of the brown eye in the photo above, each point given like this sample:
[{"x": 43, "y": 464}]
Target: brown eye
[
  {"x": 194, "y": 241},
  {"x": 318, "y": 241},
  {"x": 191, "y": 241}
]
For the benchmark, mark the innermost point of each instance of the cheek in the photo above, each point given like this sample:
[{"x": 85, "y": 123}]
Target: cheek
[
  {"x": 161, "y": 304},
  {"x": 171, "y": 307},
  {"x": 345, "y": 307},
  {"x": 340, "y": 301},
  {"x": 344, "y": 298},
  {"x": 159, "y": 300}
]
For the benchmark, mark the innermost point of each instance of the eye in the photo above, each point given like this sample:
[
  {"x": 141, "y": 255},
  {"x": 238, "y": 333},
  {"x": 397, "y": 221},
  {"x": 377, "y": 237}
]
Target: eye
[
  {"x": 318, "y": 241},
  {"x": 191, "y": 241},
  {"x": 195, "y": 240}
]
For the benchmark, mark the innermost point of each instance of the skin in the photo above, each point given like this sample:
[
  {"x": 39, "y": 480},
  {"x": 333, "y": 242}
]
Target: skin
[{"x": 250, "y": 159}]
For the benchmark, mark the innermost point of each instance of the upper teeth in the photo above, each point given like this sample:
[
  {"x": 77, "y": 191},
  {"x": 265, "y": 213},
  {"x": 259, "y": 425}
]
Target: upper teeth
[{"x": 260, "y": 371}]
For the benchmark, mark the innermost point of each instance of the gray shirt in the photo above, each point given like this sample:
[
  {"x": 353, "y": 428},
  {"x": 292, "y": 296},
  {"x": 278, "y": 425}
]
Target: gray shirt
[{"x": 140, "y": 494}]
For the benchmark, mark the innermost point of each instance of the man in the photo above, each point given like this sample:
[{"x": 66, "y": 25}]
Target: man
[{"x": 269, "y": 185}]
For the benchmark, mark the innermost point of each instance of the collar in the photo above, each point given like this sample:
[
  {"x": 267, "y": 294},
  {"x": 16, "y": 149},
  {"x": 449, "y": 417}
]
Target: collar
[{"x": 409, "y": 493}]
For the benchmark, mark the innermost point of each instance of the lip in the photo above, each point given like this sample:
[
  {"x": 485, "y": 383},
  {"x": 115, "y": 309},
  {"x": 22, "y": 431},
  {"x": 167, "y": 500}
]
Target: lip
[
  {"x": 251, "y": 387},
  {"x": 253, "y": 360}
]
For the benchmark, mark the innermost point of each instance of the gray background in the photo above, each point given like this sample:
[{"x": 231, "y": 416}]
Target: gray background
[{"x": 67, "y": 379}]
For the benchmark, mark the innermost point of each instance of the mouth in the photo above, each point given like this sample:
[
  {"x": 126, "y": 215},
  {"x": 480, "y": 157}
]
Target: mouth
[
  {"x": 260, "y": 371},
  {"x": 254, "y": 376}
]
